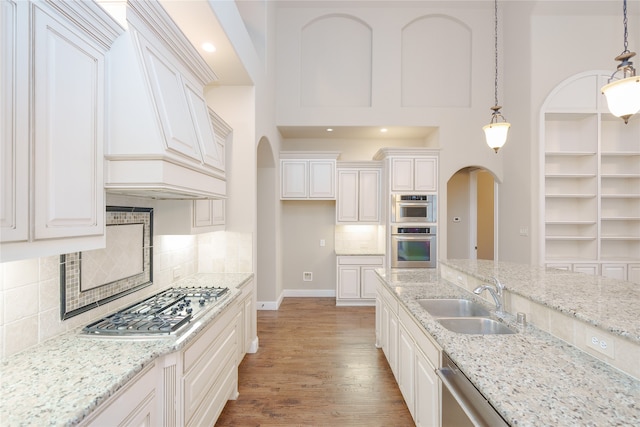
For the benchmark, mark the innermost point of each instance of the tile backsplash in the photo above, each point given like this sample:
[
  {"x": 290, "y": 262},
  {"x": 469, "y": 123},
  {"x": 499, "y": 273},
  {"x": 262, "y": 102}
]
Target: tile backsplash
[
  {"x": 30, "y": 289},
  {"x": 360, "y": 238}
]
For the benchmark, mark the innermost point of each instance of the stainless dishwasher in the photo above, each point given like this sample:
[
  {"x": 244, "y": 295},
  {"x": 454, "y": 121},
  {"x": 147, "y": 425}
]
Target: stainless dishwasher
[{"x": 462, "y": 404}]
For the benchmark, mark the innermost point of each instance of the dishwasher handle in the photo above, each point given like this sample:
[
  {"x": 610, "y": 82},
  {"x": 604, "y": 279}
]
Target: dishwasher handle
[{"x": 471, "y": 401}]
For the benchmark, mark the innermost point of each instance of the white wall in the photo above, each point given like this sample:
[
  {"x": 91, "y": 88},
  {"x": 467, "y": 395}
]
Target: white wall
[
  {"x": 541, "y": 44},
  {"x": 305, "y": 223}
]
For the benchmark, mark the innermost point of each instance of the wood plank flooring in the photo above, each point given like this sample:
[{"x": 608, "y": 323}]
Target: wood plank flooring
[{"x": 317, "y": 365}]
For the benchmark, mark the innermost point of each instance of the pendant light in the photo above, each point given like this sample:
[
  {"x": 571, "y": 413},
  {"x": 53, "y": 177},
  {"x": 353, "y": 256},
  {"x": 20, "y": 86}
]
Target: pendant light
[
  {"x": 623, "y": 95},
  {"x": 496, "y": 131}
]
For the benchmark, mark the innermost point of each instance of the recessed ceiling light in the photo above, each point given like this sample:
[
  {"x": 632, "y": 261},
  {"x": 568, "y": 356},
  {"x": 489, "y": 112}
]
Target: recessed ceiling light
[
  {"x": 329, "y": 130},
  {"x": 383, "y": 130},
  {"x": 208, "y": 47}
]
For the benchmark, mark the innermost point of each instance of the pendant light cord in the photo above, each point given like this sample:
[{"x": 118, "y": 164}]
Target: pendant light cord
[
  {"x": 496, "y": 49},
  {"x": 625, "y": 21}
]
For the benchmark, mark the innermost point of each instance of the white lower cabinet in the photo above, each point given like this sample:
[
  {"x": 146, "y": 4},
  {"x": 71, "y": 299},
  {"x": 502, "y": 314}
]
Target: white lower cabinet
[
  {"x": 189, "y": 387},
  {"x": 413, "y": 356},
  {"x": 210, "y": 371},
  {"x": 633, "y": 273},
  {"x": 406, "y": 371},
  {"x": 356, "y": 282},
  {"x": 136, "y": 405},
  {"x": 616, "y": 270}
]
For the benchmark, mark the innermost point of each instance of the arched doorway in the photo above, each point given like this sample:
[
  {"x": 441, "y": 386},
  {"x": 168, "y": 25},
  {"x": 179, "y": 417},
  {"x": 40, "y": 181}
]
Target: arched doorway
[
  {"x": 267, "y": 227},
  {"x": 472, "y": 199}
]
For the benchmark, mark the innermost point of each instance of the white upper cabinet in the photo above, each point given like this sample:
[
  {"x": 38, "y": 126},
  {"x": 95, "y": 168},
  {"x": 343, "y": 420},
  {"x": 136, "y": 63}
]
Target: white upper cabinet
[
  {"x": 53, "y": 96},
  {"x": 358, "y": 197},
  {"x": 162, "y": 141},
  {"x": 411, "y": 170},
  {"x": 414, "y": 174},
  {"x": 308, "y": 175}
]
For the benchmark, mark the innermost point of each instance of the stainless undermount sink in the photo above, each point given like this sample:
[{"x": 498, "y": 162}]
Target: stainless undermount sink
[
  {"x": 456, "y": 307},
  {"x": 464, "y": 316},
  {"x": 475, "y": 325}
]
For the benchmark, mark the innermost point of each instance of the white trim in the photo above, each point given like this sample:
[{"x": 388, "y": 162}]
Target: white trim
[
  {"x": 473, "y": 214},
  {"x": 322, "y": 293}
]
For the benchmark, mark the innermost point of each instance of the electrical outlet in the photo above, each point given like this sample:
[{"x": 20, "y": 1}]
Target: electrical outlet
[
  {"x": 599, "y": 342},
  {"x": 177, "y": 272},
  {"x": 322, "y": 242},
  {"x": 307, "y": 276}
]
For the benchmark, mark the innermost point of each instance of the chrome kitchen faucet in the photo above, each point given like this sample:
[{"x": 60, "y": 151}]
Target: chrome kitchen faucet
[{"x": 495, "y": 293}]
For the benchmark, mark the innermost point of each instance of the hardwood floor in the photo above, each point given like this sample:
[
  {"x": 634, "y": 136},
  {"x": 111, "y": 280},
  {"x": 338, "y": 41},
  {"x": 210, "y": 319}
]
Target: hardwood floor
[{"x": 317, "y": 365}]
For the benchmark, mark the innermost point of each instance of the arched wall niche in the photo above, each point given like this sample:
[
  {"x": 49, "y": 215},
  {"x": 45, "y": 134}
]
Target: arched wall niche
[
  {"x": 336, "y": 57},
  {"x": 436, "y": 49}
]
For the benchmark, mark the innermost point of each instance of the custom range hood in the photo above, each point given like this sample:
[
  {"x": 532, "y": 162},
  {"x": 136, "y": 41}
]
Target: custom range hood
[{"x": 163, "y": 141}]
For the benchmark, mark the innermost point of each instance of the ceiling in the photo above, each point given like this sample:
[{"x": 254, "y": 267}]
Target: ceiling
[{"x": 199, "y": 23}]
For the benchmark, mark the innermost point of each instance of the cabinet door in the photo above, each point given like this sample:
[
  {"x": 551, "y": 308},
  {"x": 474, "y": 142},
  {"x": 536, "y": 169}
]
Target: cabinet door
[
  {"x": 347, "y": 203},
  {"x": 136, "y": 405},
  {"x": 393, "y": 343},
  {"x": 348, "y": 281},
  {"x": 369, "y": 281},
  {"x": 14, "y": 114},
  {"x": 401, "y": 174},
  {"x": 426, "y": 174},
  {"x": 172, "y": 106},
  {"x": 369, "y": 196},
  {"x": 68, "y": 129},
  {"x": 322, "y": 179},
  {"x": 427, "y": 392},
  {"x": 590, "y": 268},
  {"x": 293, "y": 184},
  {"x": 615, "y": 271},
  {"x": 406, "y": 350},
  {"x": 219, "y": 210},
  {"x": 633, "y": 273}
]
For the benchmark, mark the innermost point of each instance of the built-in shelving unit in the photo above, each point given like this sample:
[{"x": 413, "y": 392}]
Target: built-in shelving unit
[{"x": 590, "y": 182}]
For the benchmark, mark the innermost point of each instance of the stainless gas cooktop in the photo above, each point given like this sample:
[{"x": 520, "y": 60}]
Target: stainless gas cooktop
[{"x": 165, "y": 313}]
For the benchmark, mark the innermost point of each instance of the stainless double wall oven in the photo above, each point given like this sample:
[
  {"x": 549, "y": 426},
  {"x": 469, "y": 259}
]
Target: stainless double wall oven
[{"x": 413, "y": 229}]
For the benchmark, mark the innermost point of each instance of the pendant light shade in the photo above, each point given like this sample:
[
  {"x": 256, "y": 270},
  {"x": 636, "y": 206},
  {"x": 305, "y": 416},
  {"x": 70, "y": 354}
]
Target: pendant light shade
[
  {"x": 623, "y": 94},
  {"x": 623, "y": 97},
  {"x": 496, "y": 134},
  {"x": 496, "y": 131}
]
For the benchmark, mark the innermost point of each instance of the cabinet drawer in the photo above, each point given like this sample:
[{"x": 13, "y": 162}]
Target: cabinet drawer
[
  {"x": 198, "y": 348},
  {"x": 421, "y": 338},
  {"x": 389, "y": 299},
  {"x": 361, "y": 260},
  {"x": 201, "y": 380}
]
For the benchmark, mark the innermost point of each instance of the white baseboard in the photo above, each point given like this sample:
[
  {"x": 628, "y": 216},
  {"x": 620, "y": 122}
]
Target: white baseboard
[{"x": 311, "y": 293}]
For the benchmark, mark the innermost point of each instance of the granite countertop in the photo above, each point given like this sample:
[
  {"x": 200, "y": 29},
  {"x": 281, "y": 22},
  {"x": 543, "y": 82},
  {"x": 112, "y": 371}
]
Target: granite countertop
[
  {"x": 606, "y": 303},
  {"x": 64, "y": 379},
  {"x": 531, "y": 377}
]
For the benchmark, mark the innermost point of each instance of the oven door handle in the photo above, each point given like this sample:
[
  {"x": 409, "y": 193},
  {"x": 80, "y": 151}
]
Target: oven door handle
[{"x": 413, "y": 236}]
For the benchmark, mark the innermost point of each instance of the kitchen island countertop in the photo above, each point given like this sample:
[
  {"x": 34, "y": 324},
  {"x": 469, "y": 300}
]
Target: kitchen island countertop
[
  {"x": 532, "y": 378},
  {"x": 61, "y": 381}
]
